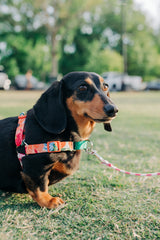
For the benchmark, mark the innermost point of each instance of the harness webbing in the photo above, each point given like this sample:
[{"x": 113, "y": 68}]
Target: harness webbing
[{"x": 49, "y": 147}]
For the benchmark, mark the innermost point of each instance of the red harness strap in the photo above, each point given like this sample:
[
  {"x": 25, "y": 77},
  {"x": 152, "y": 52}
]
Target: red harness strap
[
  {"x": 19, "y": 136},
  {"x": 49, "y": 147}
]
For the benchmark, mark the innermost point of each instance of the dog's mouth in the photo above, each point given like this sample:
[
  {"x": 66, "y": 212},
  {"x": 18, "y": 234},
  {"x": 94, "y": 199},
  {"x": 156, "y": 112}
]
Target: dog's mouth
[{"x": 102, "y": 120}]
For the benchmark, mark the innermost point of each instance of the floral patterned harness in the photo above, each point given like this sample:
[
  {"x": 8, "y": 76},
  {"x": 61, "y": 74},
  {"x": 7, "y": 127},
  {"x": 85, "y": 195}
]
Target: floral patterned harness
[{"x": 49, "y": 147}]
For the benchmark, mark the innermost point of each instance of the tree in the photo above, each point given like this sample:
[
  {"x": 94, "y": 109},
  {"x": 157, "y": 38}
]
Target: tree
[
  {"x": 103, "y": 60},
  {"x": 61, "y": 18},
  {"x": 75, "y": 34},
  {"x": 22, "y": 45},
  {"x": 22, "y": 54}
]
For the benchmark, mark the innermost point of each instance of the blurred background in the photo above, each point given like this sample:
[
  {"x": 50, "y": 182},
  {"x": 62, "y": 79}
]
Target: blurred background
[{"x": 40, "y": 41}]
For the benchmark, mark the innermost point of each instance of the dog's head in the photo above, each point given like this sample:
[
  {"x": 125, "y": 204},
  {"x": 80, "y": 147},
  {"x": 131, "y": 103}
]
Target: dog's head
[{"x": 85, "y": 94}]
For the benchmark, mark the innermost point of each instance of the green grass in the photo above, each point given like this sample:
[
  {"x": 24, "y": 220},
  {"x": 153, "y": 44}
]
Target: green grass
[{"x": 100, "y": 202}]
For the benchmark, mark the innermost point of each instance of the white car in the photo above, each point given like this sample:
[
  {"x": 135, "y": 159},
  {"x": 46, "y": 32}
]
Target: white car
[
  {"x": 4, "y": 81},
  {"x": 120, "y": 82}
]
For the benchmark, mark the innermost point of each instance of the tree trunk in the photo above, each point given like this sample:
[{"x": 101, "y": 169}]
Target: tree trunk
[{"x": 54, "y": 71}]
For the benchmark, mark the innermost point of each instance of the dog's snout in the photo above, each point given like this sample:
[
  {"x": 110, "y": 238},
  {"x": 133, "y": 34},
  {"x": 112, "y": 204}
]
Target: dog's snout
[{"x": 110, "y": 110}]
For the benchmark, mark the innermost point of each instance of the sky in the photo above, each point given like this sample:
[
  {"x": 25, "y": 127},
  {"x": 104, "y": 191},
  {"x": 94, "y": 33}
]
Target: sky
[{"x": 152, "y": 10}]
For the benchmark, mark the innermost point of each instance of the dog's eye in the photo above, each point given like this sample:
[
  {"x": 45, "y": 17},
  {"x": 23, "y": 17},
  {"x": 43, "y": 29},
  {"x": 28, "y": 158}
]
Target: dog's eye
[
  {"x": 83, "y": 88},
  {"x": 105, "y": 87}
]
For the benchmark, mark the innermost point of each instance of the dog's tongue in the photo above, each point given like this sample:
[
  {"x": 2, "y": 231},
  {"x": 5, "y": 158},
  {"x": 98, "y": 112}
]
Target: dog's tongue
[{"x": 107, "y": 127}]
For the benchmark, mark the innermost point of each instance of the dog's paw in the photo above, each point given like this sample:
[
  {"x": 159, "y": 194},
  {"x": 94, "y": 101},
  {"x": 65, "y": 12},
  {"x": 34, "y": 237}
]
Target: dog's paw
[{"x": 55, "y": 202}]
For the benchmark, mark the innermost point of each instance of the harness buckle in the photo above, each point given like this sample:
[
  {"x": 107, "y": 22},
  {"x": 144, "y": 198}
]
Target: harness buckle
[{"x": 54, "y": 146}]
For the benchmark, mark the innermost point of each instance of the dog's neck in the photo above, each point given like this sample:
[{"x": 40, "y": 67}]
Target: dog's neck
[{"x": 83, "y": 126}]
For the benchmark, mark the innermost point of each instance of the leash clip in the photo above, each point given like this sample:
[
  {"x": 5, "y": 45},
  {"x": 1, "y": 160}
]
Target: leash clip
[{"x": 89, "y": 148}]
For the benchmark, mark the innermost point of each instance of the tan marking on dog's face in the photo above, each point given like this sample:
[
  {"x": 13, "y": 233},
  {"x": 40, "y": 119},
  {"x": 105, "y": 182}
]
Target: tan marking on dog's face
[
  {"x": 94, "y": 109},
  {"x": 104, "y": 86},
  {"x": 101, "y": 79},
  {"x": 85, "y": 126},
  {"x": 108, "y": 95},
  {"x": 89, "y": 81}
]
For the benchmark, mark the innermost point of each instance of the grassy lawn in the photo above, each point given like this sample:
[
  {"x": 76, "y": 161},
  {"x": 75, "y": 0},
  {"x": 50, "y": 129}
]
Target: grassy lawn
[{"x": 100, "y": 202}]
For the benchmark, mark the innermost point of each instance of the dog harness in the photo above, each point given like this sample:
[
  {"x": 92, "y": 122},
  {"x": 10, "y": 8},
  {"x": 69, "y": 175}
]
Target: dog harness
[{"x": 49, "y": 147}]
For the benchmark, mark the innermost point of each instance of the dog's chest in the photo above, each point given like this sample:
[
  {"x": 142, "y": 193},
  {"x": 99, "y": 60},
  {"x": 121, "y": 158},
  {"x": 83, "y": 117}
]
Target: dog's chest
[{"x": 65, "y": 164}]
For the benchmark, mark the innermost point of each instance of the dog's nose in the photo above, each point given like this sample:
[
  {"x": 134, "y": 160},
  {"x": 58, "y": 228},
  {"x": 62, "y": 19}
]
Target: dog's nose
[{"x": 110, "y": 110}]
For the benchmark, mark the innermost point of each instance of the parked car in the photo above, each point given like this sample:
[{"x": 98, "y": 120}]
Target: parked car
[
  {"x": 154, "y": 85},
  {"x": 120, "y": 82},
  {"x": 114, "y": 80},
  {"x": 4, "y": 81},
  {"x": 20, "y": 83}
]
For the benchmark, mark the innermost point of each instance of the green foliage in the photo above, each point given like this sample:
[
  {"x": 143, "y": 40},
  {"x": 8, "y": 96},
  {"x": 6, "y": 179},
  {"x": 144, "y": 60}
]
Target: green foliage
[
  {"x": 103, "y": 60},
  {"x": 37, "y": 33},
  {"x": 11, "y": 67},
  {"x": 24, "y": 55},
  {"x": 143, "y": 56},
  {"x": 76, "y": 60}
]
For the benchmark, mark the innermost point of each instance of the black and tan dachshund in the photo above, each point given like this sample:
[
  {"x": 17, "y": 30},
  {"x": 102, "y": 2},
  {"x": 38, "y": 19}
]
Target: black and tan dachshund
[{"x": 67, "y": 111}]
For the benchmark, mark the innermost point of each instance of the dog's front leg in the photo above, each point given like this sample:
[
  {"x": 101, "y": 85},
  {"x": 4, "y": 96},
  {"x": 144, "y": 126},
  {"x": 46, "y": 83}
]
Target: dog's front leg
[
  {"x": 40, "y": 193},
  {"x": 44, "y": 199}
]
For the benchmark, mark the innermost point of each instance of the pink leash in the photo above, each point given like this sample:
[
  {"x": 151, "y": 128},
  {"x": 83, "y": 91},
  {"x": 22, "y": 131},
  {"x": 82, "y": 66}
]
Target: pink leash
[{"x": 108, "y": 164}]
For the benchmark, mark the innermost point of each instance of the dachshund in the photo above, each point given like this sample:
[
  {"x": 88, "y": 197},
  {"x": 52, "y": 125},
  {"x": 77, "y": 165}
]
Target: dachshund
[{"x": 65, "y": 113}]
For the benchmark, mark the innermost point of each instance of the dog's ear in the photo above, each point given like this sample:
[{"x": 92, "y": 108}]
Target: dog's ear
[
  {"x": 107, "y": 127},
  {"x": 49, "y": 110}
]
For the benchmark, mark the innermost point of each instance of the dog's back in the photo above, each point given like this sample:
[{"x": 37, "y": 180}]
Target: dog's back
[{"x": 10, "y": 179}]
